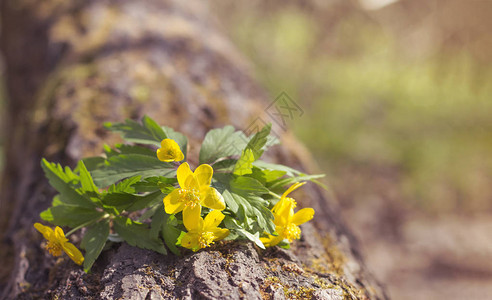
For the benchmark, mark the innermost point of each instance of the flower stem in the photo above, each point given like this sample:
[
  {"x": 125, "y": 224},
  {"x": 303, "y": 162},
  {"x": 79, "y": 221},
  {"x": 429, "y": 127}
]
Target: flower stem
[{"x": 274, "y": 195}]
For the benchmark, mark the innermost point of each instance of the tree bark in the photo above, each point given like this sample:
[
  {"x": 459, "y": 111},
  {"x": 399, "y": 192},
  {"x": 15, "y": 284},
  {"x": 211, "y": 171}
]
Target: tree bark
[{"x": 73, "y": 65}]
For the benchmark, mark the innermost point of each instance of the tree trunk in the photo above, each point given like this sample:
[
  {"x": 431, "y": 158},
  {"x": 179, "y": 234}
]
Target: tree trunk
[{"x": 73, "y": 65}]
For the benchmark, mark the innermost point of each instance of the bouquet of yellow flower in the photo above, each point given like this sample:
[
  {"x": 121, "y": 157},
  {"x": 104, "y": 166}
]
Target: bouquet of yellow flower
[{"x": 143, "y": 192}]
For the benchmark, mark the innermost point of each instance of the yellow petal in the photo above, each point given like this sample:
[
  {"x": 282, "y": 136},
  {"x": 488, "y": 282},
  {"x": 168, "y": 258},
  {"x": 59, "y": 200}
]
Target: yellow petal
[
  {"x": 162, "y": 155},
  {"x": 266, "y": 240},
  {"x": 220, "y": 233},
  {"x": 204, "y": 175},
  {"x": 183, "y": 172},
  {"x": 284, "y": 213},
  {"x": 191, "y": 218},
  {"x": 73, "y": 252},
  {"x": 59, "y": 235},
  {"x": 211, "y": 198},
  {"x": 45, "y": 230},
  {"x": 277, "y": 205},
  {"x": 191, "y": 183},
  {"x": 179, "y": 156},
  {"x": 271, "y": 240},
  {"x": 169, "y": 151},
  {"x": 190, "y": 240},
  {"x": 213, "y": 219},
  {"x": 170, "y": 144},
  {"x": 293, "y": 188},
  {"x": 165, "y": 143},
  {"x": 173, "y": 203},
  {"x": 282, "y": 203},
  {"x": 302, "y": 216}
]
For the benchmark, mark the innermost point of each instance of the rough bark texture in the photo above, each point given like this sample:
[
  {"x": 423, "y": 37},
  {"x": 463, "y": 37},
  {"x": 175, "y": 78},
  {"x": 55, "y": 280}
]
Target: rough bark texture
[{"x": 73, "y": 65}]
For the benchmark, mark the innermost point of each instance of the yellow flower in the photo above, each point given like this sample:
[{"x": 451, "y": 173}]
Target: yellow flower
[
  {"x": 194, "y": 193},
  {"x": 169, "y": 151},
  {"x": 57, "y": 242},
  {"x": 203, "y": 233},
  {"x": 286, "y": 221},
  {"x": 284, "y": 200}
]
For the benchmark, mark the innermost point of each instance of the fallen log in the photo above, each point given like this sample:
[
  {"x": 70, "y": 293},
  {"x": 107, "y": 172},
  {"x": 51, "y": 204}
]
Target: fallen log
[{"x": 70, "y": 67}]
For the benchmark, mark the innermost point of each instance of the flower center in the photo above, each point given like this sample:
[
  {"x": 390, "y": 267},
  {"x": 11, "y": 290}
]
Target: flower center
[
  {"x": 54, "y": 248},
  {"x": 291, "y": 232},
  {"x": 190, "y": 197},
  {"x": 292, "y": 200},
  {"x": 171, "y": 152},
  {"x": 205, "y": 239}
]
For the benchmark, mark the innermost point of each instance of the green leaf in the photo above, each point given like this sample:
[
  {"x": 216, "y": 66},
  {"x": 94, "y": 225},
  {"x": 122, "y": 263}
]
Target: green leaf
[
  {"x": 86, "y": 179},
  {"x": 266, "y": 176},
  {"x": 150, "y": 212},
  {"x": 242, "y": 196},
  {"x": 270, "y": 166},
  {"x": 137, "y": 234},
  {"x": 133, "y": 149},
  {"x": 130, "y": 165},
  {"x": 284, "y": 244},
  {"x": 93, "y": 242},
  {"x": 119, "y": 201},
  {"x": 170, "y": 234},
  {"x": 56, "y": 201},
  {"x": 109, "y": 152},
  {"x": 149, "y": 132},
  {"x": 71, "y": 216},
  {"x": 226, "y": 165},
  {"x": 296, "y": 176},
  {"x": 94, "y": 162},
  {"x": 152, "y": 184},
  {"x": 266, "y": 221},
  {"x": 64, "y": 182},
  {"x": 180, "y": 238},
  {"x": 125, "y": 186},
  {"x": 253, "y": 151},
  {"x": 178, "y": 137},
  {"x": 154, "y": 128},
  {"x": 271, "y": 175},
  {"x": 279, "y": 183},
  {"x": 244, "y": 164},
  {"x": 221, "y": 142},
  {"x": 257, "y": 209},
  {"x": 258, "y": 141},
  {"x": 47, "y": 215},
  {"x": 246, "y": 185},
  {"x": 131, "y": 202},
  {"x": 66, "y": 175},
  {"x": 232, "y": 224},
  {"x": 252, "y": 206},
  {"x": 157, "y": 219},
  {"x": 148, "y": 200},
  {"x": 231, "y": 203}
]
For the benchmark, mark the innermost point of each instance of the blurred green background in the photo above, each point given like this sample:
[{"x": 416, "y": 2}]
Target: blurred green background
[
  {"x": 374, "y": 97},
  {"x": 397, "y": 99}
]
